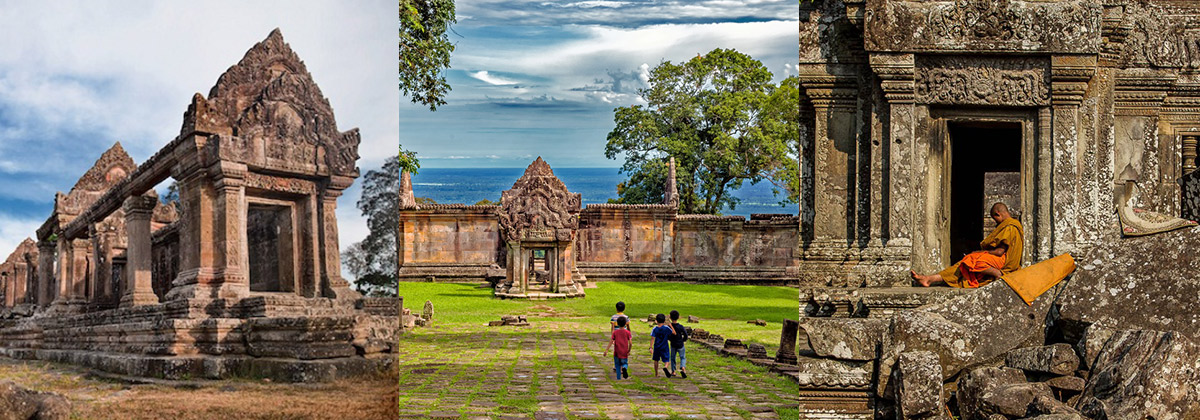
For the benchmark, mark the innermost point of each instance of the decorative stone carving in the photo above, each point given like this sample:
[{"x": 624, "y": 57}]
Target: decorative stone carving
[
  {"x": 983, "y": 25},
  {"x": 538, "y": 200},
  {"x": 956, "y": 80}
]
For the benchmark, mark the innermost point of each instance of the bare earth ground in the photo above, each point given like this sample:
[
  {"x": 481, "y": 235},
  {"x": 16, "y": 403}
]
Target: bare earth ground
[
  {"x": 557, "y": 370},
  {"x": 94, "y": 397}
]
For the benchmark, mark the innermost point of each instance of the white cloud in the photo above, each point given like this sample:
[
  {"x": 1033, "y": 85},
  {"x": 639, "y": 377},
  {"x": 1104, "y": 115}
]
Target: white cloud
[
  {"x": 491, "y": 79},
  {"x": 13, "y": 230}
]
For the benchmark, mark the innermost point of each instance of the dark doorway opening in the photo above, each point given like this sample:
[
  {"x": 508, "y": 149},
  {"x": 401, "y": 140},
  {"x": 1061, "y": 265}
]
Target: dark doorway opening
[
  {"x": 978, "y": 149},
  {"x": 268, "y": 230}
]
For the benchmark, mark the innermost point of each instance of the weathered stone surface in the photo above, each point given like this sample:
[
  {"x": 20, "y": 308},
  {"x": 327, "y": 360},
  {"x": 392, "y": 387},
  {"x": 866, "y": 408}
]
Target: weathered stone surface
[
  {"x": 1058, "y": 417},
  {"x": 919, "y": 330},
  {"x": 1093, "y": 340},
  {"x": 1011, "y": 400},
  {"x": 1057, "y": 359},
  {"x": 20, "y": 403},
  {"x": 975, "y": 383},
  {"x": 1135, "y": 283},
  {"x": 692, "y": 319},
  {"x": 1144, "y": 374},
  {"x": 427, "y": 312},
  {"x": 918, "y": 385},
  {"x": 840, "y": 374},
  {"x": 846, "y": 338},
  {"x": 1044, "y": 404},
  {"x": 1067, "y": 383}
]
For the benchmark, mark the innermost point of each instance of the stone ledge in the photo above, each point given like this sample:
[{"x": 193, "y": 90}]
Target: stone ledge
[{"x": 210, "y": 367}]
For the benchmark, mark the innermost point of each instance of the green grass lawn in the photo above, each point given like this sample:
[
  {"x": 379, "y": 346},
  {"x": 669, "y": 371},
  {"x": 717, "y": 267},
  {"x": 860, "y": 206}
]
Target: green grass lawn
[{"x": 722, "y": 309}]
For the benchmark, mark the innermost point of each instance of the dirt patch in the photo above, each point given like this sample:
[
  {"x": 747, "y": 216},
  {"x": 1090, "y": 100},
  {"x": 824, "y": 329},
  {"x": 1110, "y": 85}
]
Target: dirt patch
[{"x": 373, "y": 397}]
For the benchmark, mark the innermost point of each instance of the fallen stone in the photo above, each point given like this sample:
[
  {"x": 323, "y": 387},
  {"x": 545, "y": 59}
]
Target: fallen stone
[
  {"x": 1058, "y": 417},
  {"x": 1056, "y": 359},
  {"x": 974, "y": 329},
  {"x": 1144, "y": 374},
  {"x": 427, "y": 313},
  {"x": 975, "y": 383},
  {"x": 758, "y": 322},
  {"x": 1144, "y": 283},
  {"x": 693, "y": 319},
  {"x": 495, "y": 323},
  {"x": 756, "y": 351},
  {"x": 1046, "y": 404},
  {"x": 919, "y": 385},
  {"x": 1090, "y": 344},
  {"x": 1067, "y": 383},
  {"x": 20, "y": 403},
  {"x": 1011, "y": 400},
  {"x": 846, "y": 338}
]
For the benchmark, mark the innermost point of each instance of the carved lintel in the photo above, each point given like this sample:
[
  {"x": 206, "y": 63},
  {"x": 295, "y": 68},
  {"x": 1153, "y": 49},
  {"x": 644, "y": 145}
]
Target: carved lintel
[
  {"x": 827, "y": 92},
  {"x": 1140, "y": 91},
  {"x": 1070, "y": 75},
  {"x": 966, "y": 80},
  {"x": 896, "y": 73}
]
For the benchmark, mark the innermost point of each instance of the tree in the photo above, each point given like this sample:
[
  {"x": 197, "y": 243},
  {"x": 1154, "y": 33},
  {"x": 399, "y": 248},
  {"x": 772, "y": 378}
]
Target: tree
[
  {"x": 722, "y": 120},
  {"x": 373, "y": 261},
  {"x": 425, "y": 49}
]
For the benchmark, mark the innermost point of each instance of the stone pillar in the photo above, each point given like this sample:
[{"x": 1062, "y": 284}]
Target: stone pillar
[
  {"x": 896, "y": 73},
  {"x": 10, "y": 290},
  {"x": 1189, "y": 153},
  {"x": 834, "y": 102},
  {"x": 1069, "y": 76},
  {"x": 787, "y": 342},
  {"x": 231, "y": 276},
  {"x": 20, "y": 274},
  {"x": 138, "y": 289},
  {"x": 62, "y": 285},
  {"x": 45, "y": 273},
  {"x": 407, "y": 199},
  {"x": 332, "y": 283},
  {"x": 80, "y": 264}
]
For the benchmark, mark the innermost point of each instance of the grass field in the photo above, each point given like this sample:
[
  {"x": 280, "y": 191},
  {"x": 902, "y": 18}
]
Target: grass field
[
  {"x": 556, "y": 368},
  {"x": 722, "y": 309}
]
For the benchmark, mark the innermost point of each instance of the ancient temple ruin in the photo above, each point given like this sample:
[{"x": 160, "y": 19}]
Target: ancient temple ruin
[
  {"x": 918, "y": 114},
  {"x": 240, "y": 277},
  {"x": 539, "y": 243}
]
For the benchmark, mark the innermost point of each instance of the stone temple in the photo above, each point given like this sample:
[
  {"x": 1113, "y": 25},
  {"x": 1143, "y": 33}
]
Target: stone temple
[
  {"x": 916, "y": 115},
  {"x": 240, "y": 278},
  {"x": 540, "y": 243}
]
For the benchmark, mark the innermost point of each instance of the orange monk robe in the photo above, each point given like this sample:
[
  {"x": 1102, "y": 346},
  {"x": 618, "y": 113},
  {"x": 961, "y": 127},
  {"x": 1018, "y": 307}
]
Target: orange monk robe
[
  {"x": 972, "y": 266},
  {"x": 1011, "y": 234}
]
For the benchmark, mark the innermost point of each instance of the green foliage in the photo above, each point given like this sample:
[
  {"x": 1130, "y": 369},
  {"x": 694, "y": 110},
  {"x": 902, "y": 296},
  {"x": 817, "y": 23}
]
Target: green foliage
[
  {"x": 408, "y": 161},
  {"x": 486, "y": 202},
  {"x": 424, "y": 200},
  {"x": 425, "y": 49},
  {"x": 721, "y": 118},
  {"x": 374, "y": 261}
]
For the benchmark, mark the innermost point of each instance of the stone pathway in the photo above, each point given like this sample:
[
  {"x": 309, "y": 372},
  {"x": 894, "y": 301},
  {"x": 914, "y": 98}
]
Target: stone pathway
[{"x": 529, "y": 372}]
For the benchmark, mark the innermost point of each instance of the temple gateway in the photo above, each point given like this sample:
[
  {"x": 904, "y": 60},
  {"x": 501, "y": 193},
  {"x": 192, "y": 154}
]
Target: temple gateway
[
  {"x": 539, "y": 243},
  {"x": 917, "y": 115},
  {"x": 239, "y": 278}
]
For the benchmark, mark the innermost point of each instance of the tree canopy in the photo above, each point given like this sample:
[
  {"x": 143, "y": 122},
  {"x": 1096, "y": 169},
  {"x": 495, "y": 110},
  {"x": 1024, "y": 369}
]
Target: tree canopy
[
  {"x": 722, "y": 120},
  {"x": 373, "y": 261},
  {"x": 425, "y": 49}
]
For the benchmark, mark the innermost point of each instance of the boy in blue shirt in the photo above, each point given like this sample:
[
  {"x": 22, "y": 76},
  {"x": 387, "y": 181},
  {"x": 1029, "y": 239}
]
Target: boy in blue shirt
[
  {"x": 676, "y": 341},
  {"x": 660, "y": 335}
]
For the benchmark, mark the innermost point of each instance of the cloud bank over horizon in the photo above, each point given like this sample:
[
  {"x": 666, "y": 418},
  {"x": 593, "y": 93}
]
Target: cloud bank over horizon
[{"x": 543, "y": 78}]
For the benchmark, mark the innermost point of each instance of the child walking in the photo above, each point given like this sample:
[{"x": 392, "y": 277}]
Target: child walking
[
  {"x": 661, "y": 334},
  {"x": 676, "y": 341},
  {"x": 619, "y": 342}
]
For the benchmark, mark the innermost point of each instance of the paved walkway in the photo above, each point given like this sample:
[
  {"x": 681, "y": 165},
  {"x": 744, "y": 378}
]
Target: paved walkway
[{"x": 528, "y": 372}]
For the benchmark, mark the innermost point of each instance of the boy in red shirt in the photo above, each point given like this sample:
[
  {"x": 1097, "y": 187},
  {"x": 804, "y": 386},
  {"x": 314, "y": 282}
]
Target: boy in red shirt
[{"x": 619, "y": 342}]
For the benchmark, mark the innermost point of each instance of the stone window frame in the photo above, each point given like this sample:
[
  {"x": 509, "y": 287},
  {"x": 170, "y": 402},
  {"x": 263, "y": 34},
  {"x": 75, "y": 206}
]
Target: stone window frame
[{"x": 294, "y": 244}]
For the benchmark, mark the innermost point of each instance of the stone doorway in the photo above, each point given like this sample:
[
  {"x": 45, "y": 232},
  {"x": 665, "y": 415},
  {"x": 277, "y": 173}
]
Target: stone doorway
[
  {"x": 985, "y": 167},
  {"x": 269, "y": 240}
]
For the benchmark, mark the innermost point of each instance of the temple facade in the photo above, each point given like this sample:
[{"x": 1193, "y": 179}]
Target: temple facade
[
  {"x": 240, "y": 277},
  {"x": 541, "y": 243}
]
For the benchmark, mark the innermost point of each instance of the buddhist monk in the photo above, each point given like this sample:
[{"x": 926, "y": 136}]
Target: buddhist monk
[{"x": 1007, "y": 239}]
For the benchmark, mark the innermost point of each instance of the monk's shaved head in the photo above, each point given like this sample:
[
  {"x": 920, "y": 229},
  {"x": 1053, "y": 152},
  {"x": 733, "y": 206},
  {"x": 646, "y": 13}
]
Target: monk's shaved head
[{"x": 999, "y": 208}]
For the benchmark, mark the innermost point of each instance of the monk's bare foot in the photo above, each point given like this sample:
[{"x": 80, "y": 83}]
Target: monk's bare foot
[{"x": 923, "y": 281}]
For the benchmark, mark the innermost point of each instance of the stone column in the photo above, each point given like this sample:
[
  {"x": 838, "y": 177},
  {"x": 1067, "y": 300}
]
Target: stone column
[
  {"x": 45, "y": 273},
  {"x": 138, "y": 290},
  {"x": 80, "y": 263},
  {"x": 10, "y": 289},
  {"x": 787, "y": 342},
  {"x": 332, "y": 283},
  {"x": 229, "y": 222},
  {"x": 1069, "y": 76},
  {"x": 20, "y": 273}
]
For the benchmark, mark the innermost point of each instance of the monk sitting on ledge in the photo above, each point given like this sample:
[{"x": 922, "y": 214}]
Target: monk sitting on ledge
[{"x": 1000, "y": 255}]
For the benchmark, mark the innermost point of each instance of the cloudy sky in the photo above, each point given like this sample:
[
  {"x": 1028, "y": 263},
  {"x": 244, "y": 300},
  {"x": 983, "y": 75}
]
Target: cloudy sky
[
  {"x": 542, "y": 77},
  {"x": 77, "y": 76}
]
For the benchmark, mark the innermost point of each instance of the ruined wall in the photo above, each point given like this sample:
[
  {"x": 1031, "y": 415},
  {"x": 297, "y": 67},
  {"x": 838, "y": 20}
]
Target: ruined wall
[
  {"x": 733, "y": 241},
  {"x": 613, "y": 233},
  {"x": 164, "y": 249},
  {"x": 448, "y": 242}
]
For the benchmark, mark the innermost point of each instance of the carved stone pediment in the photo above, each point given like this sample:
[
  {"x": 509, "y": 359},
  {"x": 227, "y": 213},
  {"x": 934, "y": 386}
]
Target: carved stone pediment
[
  {"x": 965, "y": 80},
  {"x": 538, "y": 204},
  {"x": 113, "y": 166},
  {"x": 270, "y": 100},
  {"x": 1069, "y": 26}
]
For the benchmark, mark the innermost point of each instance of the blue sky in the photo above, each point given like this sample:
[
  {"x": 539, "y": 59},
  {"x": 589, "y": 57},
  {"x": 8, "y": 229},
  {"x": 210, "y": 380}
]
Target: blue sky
[
  {"x": 75, "y": 77},
  {"x": 541, "y": 78}
]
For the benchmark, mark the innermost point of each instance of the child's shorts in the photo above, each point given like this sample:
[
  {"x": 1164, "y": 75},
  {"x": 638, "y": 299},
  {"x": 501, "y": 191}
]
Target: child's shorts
[{"x": 663, "y": 355}]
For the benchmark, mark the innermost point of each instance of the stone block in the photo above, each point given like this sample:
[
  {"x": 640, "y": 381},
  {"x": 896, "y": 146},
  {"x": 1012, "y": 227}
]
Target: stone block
[
  {"x": 1012, "y": 400},
  {"x": 692, "y": 319},
  {"x": 846, "y": 338},
  {"x": 918, "y": 378},
  {"x": 1144, "y": 374},
  {"x": 1056, "y": 359},
  {"x": 1068, "y": 384},
  {"x": 973, "y": 384}
]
